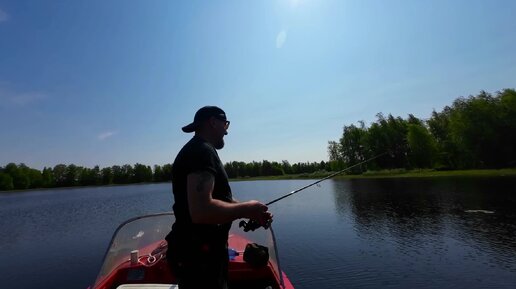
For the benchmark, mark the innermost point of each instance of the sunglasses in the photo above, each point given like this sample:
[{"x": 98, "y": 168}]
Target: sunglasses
[{"x": 226, "y": 122}]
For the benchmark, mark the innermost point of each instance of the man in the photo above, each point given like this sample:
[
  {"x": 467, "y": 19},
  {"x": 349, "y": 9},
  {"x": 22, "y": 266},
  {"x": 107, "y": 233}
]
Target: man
[{"x": 204, "y": 206}]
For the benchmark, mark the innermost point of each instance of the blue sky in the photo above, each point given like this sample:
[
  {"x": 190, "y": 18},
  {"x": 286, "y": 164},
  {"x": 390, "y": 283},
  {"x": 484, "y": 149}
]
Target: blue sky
[{"x": 112, "y": 82}]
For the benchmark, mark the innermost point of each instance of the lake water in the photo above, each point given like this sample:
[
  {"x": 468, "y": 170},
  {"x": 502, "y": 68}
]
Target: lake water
[{"x": 386, "y": 233}]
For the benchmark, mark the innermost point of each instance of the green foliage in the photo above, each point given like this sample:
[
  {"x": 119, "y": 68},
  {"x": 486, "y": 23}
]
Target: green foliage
[
  {"x": 59, "y": 175},
  {"x": 142, "y": 173},
  {"x": 507, "y": 127},
  {"x": 478, "y": 131},
  {"x": 271, "y": 169},
  {"x": 90, "y": 177},
  {"x": 474, "y": 132},
  {"x": 107, "y": 176},
  {"x": 167, "y": 172},
  {"x": 286, "y": 167},
  {"x": 352, "y": 146},
  {"x": 334, "y": 151},
  {"x": 6, "y": 182},
  {"x": 422, "y": 146},
  {"x": 20, "y": 177},
  {"x": 71, "y": 175},
  {"x": 158, "y": 174},
  {"x": 267, "y": 168},
  {"x": 47, "y": 178}
]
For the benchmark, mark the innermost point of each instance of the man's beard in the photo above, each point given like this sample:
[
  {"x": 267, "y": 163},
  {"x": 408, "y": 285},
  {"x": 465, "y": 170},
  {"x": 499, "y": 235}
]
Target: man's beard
[{"x": 220, "y": 144}]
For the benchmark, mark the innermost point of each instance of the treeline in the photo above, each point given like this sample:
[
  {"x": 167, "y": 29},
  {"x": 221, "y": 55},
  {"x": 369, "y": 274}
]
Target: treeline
[
  {"x": 267, "y": 168},
  {"x": 478, "y": 132},
  {"x": 20, "y": 177},
  {"x": 474, "y": 132}
]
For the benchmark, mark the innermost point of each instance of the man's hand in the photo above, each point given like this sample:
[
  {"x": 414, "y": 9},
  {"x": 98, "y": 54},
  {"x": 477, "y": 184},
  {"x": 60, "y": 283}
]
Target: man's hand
[{"x": 258, "y": 212}]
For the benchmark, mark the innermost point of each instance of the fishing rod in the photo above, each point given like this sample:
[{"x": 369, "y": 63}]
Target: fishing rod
[{"x": 253, "y": 225}]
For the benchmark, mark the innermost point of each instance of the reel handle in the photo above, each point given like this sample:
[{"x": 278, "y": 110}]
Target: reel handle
[{"x": 252, "y": 225}]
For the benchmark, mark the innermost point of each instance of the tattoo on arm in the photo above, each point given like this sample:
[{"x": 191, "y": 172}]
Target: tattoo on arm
[{"x": 204, "y": 178}]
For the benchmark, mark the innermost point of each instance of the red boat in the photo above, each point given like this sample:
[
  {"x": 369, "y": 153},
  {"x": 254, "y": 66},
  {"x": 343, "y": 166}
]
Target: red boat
[{"x": 136, "y": 258}]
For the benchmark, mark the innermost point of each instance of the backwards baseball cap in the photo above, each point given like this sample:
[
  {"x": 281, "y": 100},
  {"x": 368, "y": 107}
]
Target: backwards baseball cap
[{"x": 203, "y": 114}]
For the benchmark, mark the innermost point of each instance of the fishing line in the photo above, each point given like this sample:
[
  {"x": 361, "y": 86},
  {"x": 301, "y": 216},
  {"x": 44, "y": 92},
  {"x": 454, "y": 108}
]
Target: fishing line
[
  {"x": 253, "y": 225},
  {"x": 323, "y": 179}
]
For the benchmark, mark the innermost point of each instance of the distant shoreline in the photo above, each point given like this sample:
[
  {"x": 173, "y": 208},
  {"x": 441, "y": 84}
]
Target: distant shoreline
[
  {"x": 81, "y": 187},
  {"x": 397, "y": 173}
]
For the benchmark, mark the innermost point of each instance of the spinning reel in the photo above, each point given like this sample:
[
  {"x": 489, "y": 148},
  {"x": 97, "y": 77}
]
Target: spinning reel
[{"x": 252, "y": 225}]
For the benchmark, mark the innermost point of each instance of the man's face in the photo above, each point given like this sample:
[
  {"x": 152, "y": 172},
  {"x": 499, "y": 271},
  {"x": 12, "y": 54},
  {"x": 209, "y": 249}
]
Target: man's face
[{"x": 221, "y": 129}]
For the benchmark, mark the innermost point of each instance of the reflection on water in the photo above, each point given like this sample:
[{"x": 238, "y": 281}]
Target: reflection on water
[
  {"x": 57, "y": 238},
  {"x": 387, "y": 233},
  {"x": 449, "y": 232}
]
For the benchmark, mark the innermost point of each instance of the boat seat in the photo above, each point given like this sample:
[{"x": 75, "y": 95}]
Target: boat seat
[{"x": 147, "y": 286}]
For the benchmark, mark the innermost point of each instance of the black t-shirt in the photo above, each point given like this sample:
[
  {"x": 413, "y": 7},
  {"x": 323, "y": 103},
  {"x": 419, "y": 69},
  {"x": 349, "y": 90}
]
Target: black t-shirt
[{"x": 196, "y": 156}]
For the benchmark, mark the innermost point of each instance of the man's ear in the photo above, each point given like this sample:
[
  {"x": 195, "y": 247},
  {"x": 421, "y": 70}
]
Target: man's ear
[{"x": 212, "y": 121}]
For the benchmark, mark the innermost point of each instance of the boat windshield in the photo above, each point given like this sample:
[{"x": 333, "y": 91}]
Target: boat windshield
[{"x": 147, "y": 233}]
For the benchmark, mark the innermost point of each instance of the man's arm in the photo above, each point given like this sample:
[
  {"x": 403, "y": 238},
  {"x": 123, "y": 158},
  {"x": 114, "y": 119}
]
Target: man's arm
[{"x": 206, "y": 210}]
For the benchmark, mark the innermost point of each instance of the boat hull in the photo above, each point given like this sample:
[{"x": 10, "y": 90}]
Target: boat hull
[{"x": 137, "y": 255}]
